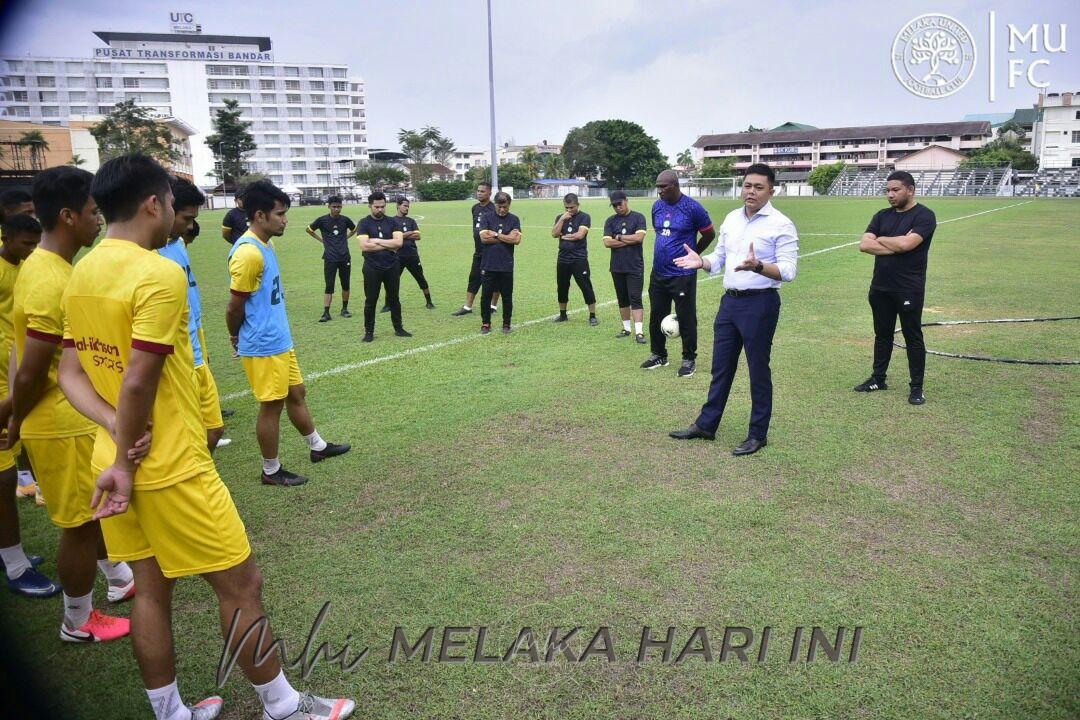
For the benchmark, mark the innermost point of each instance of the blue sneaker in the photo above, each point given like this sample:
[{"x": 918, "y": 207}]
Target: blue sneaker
[
  {"x": 33, "y": 584},
  {"x": 35, "y": 561}
]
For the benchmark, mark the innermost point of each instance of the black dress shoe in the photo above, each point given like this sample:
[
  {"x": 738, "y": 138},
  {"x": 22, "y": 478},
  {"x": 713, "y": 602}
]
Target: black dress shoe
[
  {"x": 749, "y": 446},
  {"x": 692, "y": 433}
]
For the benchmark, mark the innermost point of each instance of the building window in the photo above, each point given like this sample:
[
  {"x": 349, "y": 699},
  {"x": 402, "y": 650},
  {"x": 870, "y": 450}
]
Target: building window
[
  {"x": 46, "y": 81},
  {"x": 296, "y": 125},
  {"x": 277, "y": 179},
  {"x": 292, "y": 84},
  {"x": 103, "y": 82},
  {"x": 76, "y": 82},
  {"x": 270, "y": 112},
  {"x": 19, "y": 96},
  {"x": 272, "y": 139},
  {"x": 318, "y": 112},
  {"x": 266, "y": 84},
  {"x": 318, "y": 99},
  {"x": 339, "y": 72},
  {"x": 292, "y": 72},
  {"x": 73, "y": 67},
  {"x": 292, "y": 99},
  {"x": 295, "y": 112},
  {"x": 50, "y": 111},
  {"x": 318, "y": 124},
  {"x": 296, "y": 139},
  {"x": 130, "y": 82},
  {"x": 340, "y": 86},
  {"x": 344, "y": 139},
  {"x": 1076, "y": 136},
  {"x": 316, "y": 72},
  {"x": 1078, "y": 114},
  {"x": 268, "y": 98},
  {"x": 320, "y": 139},
  {"x": 317, "y": 85},
  {"x": 1076, "y": 160},
  {"x": 43, "y": 65},
  {"x": 341, "y": 99},
  {"x": 78, "y": 110},
  {"x": 104, "y": 109},
  {"x": 266, "y": 70},
  {"x": 300, "y": 178},
  {"x": 342, "y": 113}
]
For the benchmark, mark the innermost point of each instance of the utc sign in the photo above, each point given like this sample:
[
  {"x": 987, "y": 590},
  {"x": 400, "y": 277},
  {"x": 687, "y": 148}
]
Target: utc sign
[{"x": 184, "y": 22}]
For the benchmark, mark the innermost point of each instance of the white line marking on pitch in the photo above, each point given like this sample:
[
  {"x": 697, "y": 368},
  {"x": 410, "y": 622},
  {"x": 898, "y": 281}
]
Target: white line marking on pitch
[{"x": 475, "y": 336}]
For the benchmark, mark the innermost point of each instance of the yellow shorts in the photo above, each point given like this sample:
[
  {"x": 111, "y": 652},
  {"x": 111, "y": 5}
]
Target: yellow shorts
[
  {"x": 191, "y": 528},
  {"x": 63, "y": 472},
  {"x": 7, "y": 459},
  {"x": 271, "y": 377},
  {"x": 209, "y": 404}
]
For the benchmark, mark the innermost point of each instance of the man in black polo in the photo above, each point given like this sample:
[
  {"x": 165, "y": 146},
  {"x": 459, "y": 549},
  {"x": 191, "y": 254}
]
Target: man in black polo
[
  {"x": 482, "y": 208},
  {"x": 623, "y": 233},
  {"x": 499, "y": 234},
  {"x": 409, "y": 255},
  {"x": 380, "y": 240},
  {"x": 235, "y": 223},
  {"x": 571, "y": 229},
  {"x": 899, "y": 239},
  {"x": 336, "y": 229}
]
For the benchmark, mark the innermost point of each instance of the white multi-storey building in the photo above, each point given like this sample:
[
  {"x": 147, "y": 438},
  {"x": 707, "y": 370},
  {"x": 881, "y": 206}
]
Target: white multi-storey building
[
  {"x": 1056, "y": 141},
  {"x": 308, "y": 119}
]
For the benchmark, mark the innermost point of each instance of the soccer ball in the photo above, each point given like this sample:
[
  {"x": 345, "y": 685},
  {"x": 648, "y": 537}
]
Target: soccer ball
[{"x": 670, "y": 326}]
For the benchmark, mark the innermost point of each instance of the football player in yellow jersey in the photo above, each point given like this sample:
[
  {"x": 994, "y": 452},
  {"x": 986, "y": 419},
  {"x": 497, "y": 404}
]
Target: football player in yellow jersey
[
  {"x": 21, "y": 236},
  {"x": 126, "y": 346},
  {"x": 59, "y": 440}
]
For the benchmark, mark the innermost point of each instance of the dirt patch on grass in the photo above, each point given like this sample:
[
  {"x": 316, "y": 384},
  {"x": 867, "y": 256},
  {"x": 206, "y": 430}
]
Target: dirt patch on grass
[{"x": 1043, "y": 425}]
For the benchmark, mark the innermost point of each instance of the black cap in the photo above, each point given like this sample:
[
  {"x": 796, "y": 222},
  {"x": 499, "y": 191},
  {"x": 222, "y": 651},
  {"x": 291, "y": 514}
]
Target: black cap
[{"x": 617, "y": 197}]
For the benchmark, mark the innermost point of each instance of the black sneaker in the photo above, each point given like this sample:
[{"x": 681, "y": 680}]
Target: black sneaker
[
  {"x": 687, "y": 368},
  {"x": 654, "y": 361},
  {"x": 623, "y": 333},
  {"x": 640, "y": 339},
  {"x": 871, "y": 385},
  {"x": 325, "y": 317},
  {"x": 430, "y": 305},
  {"x": 461, "y": 311},
  {"x": 593, "y": 320},
  {"x": 283, "y": 478},
  {"x": 331, "y": 450},
  {"x": 368, "y": 337},
  {"x": 345, "y": 313},
  {"x": 507, "y": 330},
  {"x": 485, "y": 328},
  {"x": 916, "y": 397},
  {"x": 402, "y": 332},
  {"x": 561, "y": 318},
  {"x": 385, "y": 308}
]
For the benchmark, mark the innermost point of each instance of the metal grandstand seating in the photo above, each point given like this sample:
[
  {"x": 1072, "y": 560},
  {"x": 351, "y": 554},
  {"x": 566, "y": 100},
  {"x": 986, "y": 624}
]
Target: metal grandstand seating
[
  {"x": 1054, "y": 182},
  {"x": 961, "y": 181}
]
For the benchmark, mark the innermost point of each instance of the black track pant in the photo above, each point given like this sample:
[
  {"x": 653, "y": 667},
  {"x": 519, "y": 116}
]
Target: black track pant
[
  {"x": 412, "y": 264},
  {"x": 333, "y": 269},
  {"x": 628, "y": 288},
  {"x": 885, "y": 307},
  {"x": 682, "y": 290},
  {"x": 374, "y": 279},
  {"x": 497, "y": 282},
  {"x": 474, "y": 274},
  {"x": 579, "y": 270}
]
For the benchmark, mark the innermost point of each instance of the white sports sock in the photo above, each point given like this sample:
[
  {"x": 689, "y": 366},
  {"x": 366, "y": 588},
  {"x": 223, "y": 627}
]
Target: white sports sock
[
  {"x": 466, "y": 307},
  {"x": 15, "y": 560},
  {"x": 626, "y": 325},
  {"x": 279, "y": 698},
  {"x": 494, "y": 307},
  {"x": 117, "y": 572},
  {"x": 637, "y": 328},
  {"x": 77, "y": 609},
  {"x": 315, "y": 441},
  {"x": 26, "y": 478},
  {"x": 271, "y": 466},
  {"x": 167, "y": 703}
]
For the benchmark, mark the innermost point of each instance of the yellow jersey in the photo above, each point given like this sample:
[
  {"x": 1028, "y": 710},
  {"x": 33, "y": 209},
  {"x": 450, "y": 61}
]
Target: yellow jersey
[
  {"x": 123, "y": 297},
  {"x": 8, "y": 273},
  {"x": 36, "y": 313}
]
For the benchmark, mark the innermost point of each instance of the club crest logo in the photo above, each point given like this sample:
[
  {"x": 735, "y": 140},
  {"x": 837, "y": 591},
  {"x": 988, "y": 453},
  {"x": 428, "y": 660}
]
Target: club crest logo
[{"x": 933, "y": 55}]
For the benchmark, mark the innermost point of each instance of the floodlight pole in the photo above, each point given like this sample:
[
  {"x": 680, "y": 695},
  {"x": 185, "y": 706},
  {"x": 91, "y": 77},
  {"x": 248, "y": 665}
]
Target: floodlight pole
[{"x": 491, "y": 100}]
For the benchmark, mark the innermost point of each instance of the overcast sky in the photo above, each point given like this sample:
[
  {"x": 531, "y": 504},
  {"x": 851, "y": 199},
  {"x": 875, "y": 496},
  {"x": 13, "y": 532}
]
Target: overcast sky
[{"x": 679, "y": 69}]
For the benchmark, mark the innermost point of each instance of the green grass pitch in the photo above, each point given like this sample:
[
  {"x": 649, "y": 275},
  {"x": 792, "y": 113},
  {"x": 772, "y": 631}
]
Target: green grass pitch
[{"x": 528, "y": 481}]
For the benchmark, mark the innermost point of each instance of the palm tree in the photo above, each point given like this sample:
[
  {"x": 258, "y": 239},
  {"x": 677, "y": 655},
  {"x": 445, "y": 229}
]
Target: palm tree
[
  {"x": 38, "y": 145},
  {"x": 76, "y": 161},
  {"x": 685, "y": 159},
  {"x": 416, "y": 146},
  {"x": 442, "y": 149},
  {"x": 554, "y": 166},
  {"x": 529, "y": 159}
]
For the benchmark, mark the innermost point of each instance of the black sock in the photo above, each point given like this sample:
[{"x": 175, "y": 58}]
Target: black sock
[
  {"x": 326, "y": 310},
  {"x": 344, "y": 305},
  {"x": 592, "y": 315},
  {"x": 562, "y": 313}
]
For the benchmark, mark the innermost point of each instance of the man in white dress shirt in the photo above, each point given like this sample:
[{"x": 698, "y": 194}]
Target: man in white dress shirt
[{"x": 758, "y": 249}]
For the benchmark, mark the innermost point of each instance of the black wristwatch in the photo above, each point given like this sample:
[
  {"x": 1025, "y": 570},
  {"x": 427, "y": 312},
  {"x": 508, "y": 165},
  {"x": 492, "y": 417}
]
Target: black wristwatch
[{"x": 760, "y": 267}]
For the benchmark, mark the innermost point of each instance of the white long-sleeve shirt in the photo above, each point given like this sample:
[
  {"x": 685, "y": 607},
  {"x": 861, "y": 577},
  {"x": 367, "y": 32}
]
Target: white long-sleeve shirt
[{"x": 775, "y": 241}]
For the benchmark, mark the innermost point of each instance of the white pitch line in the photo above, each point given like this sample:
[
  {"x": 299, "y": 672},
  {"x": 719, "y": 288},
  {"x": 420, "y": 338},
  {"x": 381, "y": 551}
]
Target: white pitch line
[{"x": 475, "y": 336}]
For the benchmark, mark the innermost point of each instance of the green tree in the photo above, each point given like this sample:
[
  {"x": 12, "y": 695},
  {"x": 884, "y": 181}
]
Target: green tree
[
  {"x": 1000, "y": 153},
  {"x": 530, "y": 160},
  {"x": 619, "y": 151},
  {"x": 230, "y": 140},
  {"x": 686, "y": 159},
  {"x": 76, "y": 161},
  {"x": 378, "y": 176},
  {"x": 718, "y": 167},
  {"x": 821, "y": 178},
  {"x": 417, "y": 146},
  {"x": 36, "y": 143},
  {"x": 131, "y": 129},
  {"x": 510, "y": 175},
  {"x": 554, "y": 166},
  {"x": 444, "y": 190},
  {"x": 751, "y": 129},
  {"x": 1014, "y": 128},
  {"x": 443, "y": 149}
]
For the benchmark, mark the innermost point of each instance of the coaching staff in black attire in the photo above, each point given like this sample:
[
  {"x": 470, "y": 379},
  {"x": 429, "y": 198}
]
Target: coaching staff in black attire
[
  {"x": 899, "y": 239},
  {"x": 380, "y": 239}
]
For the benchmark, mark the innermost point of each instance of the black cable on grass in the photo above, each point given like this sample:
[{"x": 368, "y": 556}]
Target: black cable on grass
[{"x": 1013, "y": 361}]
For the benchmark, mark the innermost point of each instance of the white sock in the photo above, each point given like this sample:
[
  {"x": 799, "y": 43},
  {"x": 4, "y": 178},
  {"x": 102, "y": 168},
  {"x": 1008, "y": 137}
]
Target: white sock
[
  {"x": 118, "y": 572},
  {"x": 167, "y": 703},
  {"x": 315, "y": 441},
  {"x": 279, "y": 698},
  {"x": 271, "y": 466},
  {"x": 626, "y": 325},
  {"x": 77, "y": 609},
  {"x": 26, "y": 478},
  {"x": 466, "y": 307},
  {"x": 637, "y": 328},
  {"x": 15, "y": 560},
  {"x": 494, "y": 307}
]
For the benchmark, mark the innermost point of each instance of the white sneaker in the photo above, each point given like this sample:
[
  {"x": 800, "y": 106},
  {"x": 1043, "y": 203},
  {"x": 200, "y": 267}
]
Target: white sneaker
[
  {"x": 312, "y": 707},
  {"x": 222, "y": 442},
  {"x": 121, "y": 591}
]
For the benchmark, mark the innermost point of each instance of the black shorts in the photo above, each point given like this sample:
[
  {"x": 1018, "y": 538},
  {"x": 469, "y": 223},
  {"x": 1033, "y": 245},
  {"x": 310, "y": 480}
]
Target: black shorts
[
  {"x": 331, "y": 269},
  {"x": 628, "y": 287}
]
